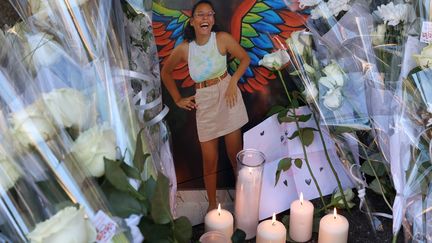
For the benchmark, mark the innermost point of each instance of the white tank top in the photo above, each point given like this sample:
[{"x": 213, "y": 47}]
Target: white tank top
[{"x": 205, "y": 62}]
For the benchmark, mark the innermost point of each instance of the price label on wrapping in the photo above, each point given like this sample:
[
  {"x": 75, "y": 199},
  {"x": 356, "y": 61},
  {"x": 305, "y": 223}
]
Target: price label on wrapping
[
  {"x": 426, "y": 33},
  {"x": 105, "y": 227}
]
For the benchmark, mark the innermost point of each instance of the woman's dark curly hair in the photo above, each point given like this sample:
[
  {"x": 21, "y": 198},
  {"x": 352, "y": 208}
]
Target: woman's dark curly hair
[{"x": 189, "y": 32}]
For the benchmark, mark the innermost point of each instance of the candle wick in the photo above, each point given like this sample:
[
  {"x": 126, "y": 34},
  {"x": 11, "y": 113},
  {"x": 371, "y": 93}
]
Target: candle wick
[
  {"x": 301, "y": 203},
  {"x": 219, "y": 213},
  {"x": 273, "y": 223}
]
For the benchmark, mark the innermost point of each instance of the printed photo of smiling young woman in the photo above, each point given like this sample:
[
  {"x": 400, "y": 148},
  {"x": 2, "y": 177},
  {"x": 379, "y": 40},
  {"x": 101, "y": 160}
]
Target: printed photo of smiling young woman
[
  {"x": 215, "y": 88},
  {"x": 220, "y": 110}
]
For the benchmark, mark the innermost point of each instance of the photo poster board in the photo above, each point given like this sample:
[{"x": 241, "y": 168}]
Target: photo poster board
[
  {"x": 260, "y": 91},
  {"x": 271, "y": 138}
]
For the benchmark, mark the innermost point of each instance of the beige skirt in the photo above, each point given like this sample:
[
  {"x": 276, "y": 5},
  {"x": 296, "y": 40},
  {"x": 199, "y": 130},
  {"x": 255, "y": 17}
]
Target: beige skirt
[{"x": 213, "y": 116}]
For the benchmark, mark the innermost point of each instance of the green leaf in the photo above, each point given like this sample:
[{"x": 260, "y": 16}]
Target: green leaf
[
  {"x": 294, "y": 135},
  {"x": 377, "y": 166},
  {"x": 155, "y": 233},
  {"x": 298, "y": 163},
  {"x": 148, "y": 187},
  {"x": 139, "y": 157},
  {"x": 160, "y": 209},
  {"x": 239, "y": 236},
  {"x": 118, "y": 178},
  {"x": 275, "y": 110},
  {"x": 294, "y": 103},
  {"x": 182, "y": 230},
  {"x": 284, "y": 165},
  {"x": 251, "y": 18},
  {"x": 246, "y": 43},
  {"x": 374, "y": 185},
  {"x": 123, "y": 204},
  {"x": 283, "y": 119},
  {"x": 130, "y": 171},
  {"x": 307, "y": 136},
  {"x": 304, "y": 118},
  {"x": 248, "y": 30}
]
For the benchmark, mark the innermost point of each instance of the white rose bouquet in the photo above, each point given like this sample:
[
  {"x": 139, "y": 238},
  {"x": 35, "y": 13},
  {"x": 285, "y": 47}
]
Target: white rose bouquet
[{"x": 389, "y": 37}]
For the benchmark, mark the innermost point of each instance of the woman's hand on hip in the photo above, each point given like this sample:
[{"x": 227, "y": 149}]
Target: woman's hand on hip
[
  {"x": 187, "y": 103},
  {"x": 231, "y": 94}
]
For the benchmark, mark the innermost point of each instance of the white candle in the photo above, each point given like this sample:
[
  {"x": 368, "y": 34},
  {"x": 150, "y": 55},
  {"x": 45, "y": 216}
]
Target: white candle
[
  {"x": 333, "y": 228},
  {"x": 271, "y": 231},
  {"x": 247, "y": 200},
  {"x": 301, "y": 220},
  {"x": 219, "y": 220}
]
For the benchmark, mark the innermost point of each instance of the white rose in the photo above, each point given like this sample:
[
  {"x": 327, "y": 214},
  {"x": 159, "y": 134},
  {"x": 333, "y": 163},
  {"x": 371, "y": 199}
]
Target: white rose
[
  {"x": 68, "y": 107},
  {"x": 392, "y": 14},
  {"x": 334, "y": 78},
  {"x": 424, "y": 60},
  {"x": 92, "y": 146},
  {"x": 275, "y": 60},
  {"x": 67, "y": 226},
  {"x": 299, "y": 39},
  {"x": 337, "y": 6},
  {"x": 333, "y": 99},
  {"x": 378, "y": 35},
  {"x": 41, "y": 50},
  {"x": 321, "y": 11},
  {"x": 31, "y": 125},
  {"x": 310, "y": 92},
  {"x": 9, "y": 173},
  {"x": 308, "y": 3}
]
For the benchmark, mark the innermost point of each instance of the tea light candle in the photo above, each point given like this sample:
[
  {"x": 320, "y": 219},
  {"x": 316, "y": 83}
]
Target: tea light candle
[
  {"x": 219, "y": 220},
  {"x": 214, "y": 237},
  {"x": 301, "y": 220},
  {"x": 271, "y": 231},
  {"x": 333, "y": 228}
]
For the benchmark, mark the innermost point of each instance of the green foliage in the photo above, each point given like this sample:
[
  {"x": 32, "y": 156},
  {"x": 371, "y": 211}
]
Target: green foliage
[
  {"x": 337, "y": 199},
  {"x": 284, "y": 165},
  {"x": 298, "y": 163},
  {"x": 239, "y": 236},
  {"x": 151, "y": 199}
]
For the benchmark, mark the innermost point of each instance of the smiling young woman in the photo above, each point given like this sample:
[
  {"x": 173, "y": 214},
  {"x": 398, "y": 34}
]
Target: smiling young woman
[{"x": 220, "y": 111}]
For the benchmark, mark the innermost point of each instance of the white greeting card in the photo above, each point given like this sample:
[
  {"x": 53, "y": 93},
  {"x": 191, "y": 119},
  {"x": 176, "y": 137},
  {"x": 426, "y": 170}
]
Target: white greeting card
[{"x": 271, "y": 138}]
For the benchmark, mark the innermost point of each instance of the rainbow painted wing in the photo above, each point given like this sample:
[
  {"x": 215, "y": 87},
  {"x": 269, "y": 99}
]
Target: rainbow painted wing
[
  {"x": 257, "y": 25},
  {"x": 168, "y": 26}
]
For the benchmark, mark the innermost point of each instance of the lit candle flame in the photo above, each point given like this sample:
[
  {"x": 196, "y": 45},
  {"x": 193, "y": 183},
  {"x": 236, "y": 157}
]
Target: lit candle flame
[
  {"x": 219, "y": 209},
  {"x": 301, "y": 198},
  {"x": 334, "y": 213},
  {"x": 274, "y": 219}
]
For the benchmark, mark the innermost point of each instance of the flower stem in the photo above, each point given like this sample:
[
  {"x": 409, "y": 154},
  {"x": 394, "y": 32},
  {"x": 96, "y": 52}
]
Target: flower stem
[
  {"x": 330, "y": 163},
  {"x": 301, "y": 140},
  {"x": 376, "y": 177},
  {"x": 394, "y": 240}
]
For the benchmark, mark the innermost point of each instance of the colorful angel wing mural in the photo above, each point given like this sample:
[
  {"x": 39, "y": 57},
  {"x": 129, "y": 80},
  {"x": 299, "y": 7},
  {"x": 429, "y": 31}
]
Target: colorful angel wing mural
[
  {"x": 255, "y": 24},
  {"x": 168, "y": 26}
]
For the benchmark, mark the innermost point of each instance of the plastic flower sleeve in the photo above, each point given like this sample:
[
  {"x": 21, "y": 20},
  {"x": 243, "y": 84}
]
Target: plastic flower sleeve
[
  {"x": 41, "y": 138},
  {"x": 308, "y": 72},
  {"x": 31, "y": 196},
  {"x": 103, "y": 76}
]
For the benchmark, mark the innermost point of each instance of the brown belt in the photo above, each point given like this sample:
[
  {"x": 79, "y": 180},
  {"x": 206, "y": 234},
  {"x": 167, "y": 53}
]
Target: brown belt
[{"x": 210, "y": 82}]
